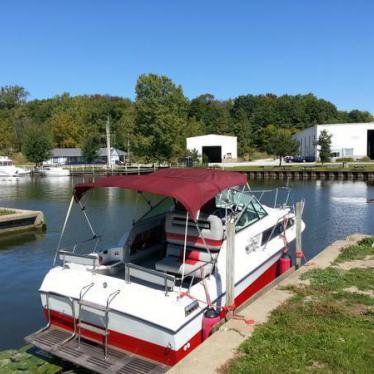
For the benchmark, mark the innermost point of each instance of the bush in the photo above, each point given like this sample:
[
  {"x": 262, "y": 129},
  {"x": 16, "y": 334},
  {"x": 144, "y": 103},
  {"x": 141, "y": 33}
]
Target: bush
[
  {"x": 344, "y": 159},
  {"x": 364, "y": 159}
]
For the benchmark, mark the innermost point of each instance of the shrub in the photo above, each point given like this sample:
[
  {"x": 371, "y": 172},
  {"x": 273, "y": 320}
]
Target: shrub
[
  {"x": 344, "y": 159},
  {"x": 364, "y": 159}
]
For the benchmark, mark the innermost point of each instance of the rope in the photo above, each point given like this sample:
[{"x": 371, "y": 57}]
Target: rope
[{"x": 225, "y": 309}]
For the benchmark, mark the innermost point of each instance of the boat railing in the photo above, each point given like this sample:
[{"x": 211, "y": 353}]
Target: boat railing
[
  {"x": 277, "y": 201},
  {"x": 150, "y": 275},
  {"x": 71, "y": 257}
]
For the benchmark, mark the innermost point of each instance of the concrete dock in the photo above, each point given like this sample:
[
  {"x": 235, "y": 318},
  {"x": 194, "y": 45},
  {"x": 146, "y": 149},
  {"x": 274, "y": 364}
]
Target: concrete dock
[
  {"x": 222, "y": 346},
  {"x": 20, "y": 220}
]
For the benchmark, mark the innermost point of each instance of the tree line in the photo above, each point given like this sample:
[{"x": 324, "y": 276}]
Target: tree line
[{"x": 157, "y": 122}]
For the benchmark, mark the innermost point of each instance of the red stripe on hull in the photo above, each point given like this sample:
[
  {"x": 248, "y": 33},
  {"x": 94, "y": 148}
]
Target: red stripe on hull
[{"x": 153, "y": 351}]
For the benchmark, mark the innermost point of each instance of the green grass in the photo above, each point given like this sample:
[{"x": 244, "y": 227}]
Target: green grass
[
  {"x": 357, "y": 252},
  {"x": 4, "y": 212},
  {"x": 323, "y": 328}
]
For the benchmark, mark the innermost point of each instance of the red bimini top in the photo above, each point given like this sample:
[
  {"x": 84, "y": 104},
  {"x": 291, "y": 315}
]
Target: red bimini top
[{"x": 191, "y": 187}]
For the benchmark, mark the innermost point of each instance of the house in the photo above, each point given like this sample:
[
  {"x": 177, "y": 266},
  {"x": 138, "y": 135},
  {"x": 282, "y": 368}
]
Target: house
[
  {"x": 214, "y": 148},
  {"x": 355, "y": 140},
  {"x": 65, "y": 156}
]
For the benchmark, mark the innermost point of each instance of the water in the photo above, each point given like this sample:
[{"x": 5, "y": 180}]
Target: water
[{"x": 333, "y": 210}]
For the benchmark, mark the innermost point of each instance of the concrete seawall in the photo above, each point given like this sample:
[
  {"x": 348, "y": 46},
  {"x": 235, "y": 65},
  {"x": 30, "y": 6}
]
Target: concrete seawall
[
  {"x": 312, "y": 175},
  {"x": 222, "y": 346},
  {"x": 20, "y": 220}
]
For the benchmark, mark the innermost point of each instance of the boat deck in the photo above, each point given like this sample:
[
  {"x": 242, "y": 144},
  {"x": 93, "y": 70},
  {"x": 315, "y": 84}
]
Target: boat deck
[{"x": 91, "y": 355}]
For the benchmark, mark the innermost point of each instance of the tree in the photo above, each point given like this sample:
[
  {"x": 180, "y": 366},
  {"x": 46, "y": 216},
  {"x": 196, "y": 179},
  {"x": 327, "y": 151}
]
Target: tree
[
  {"x": 161, "y": 116},
  {"x": 324, "y": 142},
  {"x": 90, "y": 147},
  {"x": 36, "y": 144},
  {"x": 358, "y": 116},
  {"x": 281, "y": 144},
  {"x": 11, "y": 96}
]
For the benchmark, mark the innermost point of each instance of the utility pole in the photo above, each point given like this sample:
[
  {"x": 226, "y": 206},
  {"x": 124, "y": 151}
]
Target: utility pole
[
  {"x": 128, "y": 149},
  {"x": 107, "y": 129}
]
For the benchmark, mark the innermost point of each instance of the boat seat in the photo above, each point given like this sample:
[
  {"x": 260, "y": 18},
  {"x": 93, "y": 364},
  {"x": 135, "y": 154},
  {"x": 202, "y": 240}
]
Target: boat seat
[
  {"x": 174, "y": 265},
  {"x": 210, "y": 226},
  {"x": 197, "y": 254},
  {"x": 195, "y": 258}
]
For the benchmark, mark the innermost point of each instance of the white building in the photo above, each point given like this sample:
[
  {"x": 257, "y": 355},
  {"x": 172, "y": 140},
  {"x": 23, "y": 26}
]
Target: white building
[
  {"x": 354, "y": 140},
  {"x": 64, "y": 156},
  {"x": 214, "y": 148}
]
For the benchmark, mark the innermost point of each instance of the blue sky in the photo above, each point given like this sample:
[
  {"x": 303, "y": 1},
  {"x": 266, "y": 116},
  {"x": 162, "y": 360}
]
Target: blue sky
[{"x": 226, "y": 48}]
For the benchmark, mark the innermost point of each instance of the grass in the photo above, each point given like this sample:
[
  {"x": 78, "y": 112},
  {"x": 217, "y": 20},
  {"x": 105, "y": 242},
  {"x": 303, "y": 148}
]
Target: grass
[
  {"x": 5, "y": 212},
  {"x": 357, "y": 252},
  {"x": 323, "y": 328}
]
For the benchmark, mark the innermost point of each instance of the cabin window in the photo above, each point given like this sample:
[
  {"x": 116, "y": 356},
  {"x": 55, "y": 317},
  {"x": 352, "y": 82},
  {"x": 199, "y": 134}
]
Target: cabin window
[
  {"x": 274, "y": 231},
  {"x": 253, "y": 213}
]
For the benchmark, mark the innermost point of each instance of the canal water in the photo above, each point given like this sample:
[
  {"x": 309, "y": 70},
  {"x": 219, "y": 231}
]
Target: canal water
[{"x": 333, "y": 210}]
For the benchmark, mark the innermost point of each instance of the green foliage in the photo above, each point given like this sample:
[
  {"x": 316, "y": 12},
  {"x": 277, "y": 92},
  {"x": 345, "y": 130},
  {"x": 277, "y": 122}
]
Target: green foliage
[
  {"x": 11, "y": 96},
  {"x": 161, "y": 117},
  {"x": 90, "y": 147},
  {"x": 36, "y": 144},
  {"x": 324, "y": 142},
  {"x": 344, "y": 159},
  {"x": 157, "y": 123},
  {"x": 281, "y": 143}
]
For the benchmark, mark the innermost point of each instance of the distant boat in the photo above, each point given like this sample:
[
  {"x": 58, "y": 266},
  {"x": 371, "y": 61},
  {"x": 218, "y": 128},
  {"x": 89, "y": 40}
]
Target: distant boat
[
  {"x": 54, "y": 171},
  {"x": 8, "y": 169}
]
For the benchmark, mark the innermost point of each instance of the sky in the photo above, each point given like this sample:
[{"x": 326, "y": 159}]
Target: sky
[{"x": 226, "y": 48}]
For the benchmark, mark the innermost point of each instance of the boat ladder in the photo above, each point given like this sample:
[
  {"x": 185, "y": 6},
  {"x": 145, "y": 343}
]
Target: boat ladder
[
  {"x": 51, "y": 294},
  {"x": 99, "y": 311}
]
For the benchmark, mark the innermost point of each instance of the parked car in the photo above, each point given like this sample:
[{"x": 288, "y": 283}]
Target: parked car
[
  {"x": 298, "y": 159},
  {"x": 310, "y": 159},
  {"x": 288, "y": 158}
]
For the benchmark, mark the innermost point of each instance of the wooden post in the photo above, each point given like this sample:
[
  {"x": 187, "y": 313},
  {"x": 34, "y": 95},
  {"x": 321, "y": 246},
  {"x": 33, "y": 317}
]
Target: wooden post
[
  {"x": 299, "y": 252},
  {"x": 230, "y": 268}
]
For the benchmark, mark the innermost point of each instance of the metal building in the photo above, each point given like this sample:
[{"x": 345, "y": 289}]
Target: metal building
[
  {"x": 354, "y": 140},
  {"x": 214, "y": 148}
]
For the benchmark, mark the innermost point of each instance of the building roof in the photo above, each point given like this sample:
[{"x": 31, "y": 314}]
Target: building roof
[
  {"x": 77, "y": 152},
  {"x": 212, "y": 136},
  {"x": 191, "y": 187}
]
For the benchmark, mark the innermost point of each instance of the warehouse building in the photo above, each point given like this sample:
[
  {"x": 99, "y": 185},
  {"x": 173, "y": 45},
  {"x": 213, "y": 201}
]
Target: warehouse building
[
  {"x": 354, "y": 140},
  {"x": 214, "y": 148}
]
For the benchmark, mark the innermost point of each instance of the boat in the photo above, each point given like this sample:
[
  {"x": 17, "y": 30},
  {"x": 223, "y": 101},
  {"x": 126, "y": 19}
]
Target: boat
[
  {"x": 54, "y": 171},
  {"x": 153, "y": 296},
  {"x": 8, "y": 169}
]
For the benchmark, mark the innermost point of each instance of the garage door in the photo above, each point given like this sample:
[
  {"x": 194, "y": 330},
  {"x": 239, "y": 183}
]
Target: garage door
[{"x": 212, "y": 153}]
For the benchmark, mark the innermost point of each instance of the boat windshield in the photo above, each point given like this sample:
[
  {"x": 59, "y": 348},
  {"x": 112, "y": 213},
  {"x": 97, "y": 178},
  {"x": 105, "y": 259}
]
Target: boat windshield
[{"x": 242, "y": 205}]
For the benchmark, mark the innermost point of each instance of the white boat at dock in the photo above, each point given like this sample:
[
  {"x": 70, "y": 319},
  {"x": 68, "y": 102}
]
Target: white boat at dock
[
  {"x": 9, "y": 170},
  {"x": 54, "y": 171},
  {"x": 155, "y": 294}
]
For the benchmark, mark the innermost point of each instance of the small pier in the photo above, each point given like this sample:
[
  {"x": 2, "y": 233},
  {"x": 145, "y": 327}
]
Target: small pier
[{"x": 14, "y": 220}]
